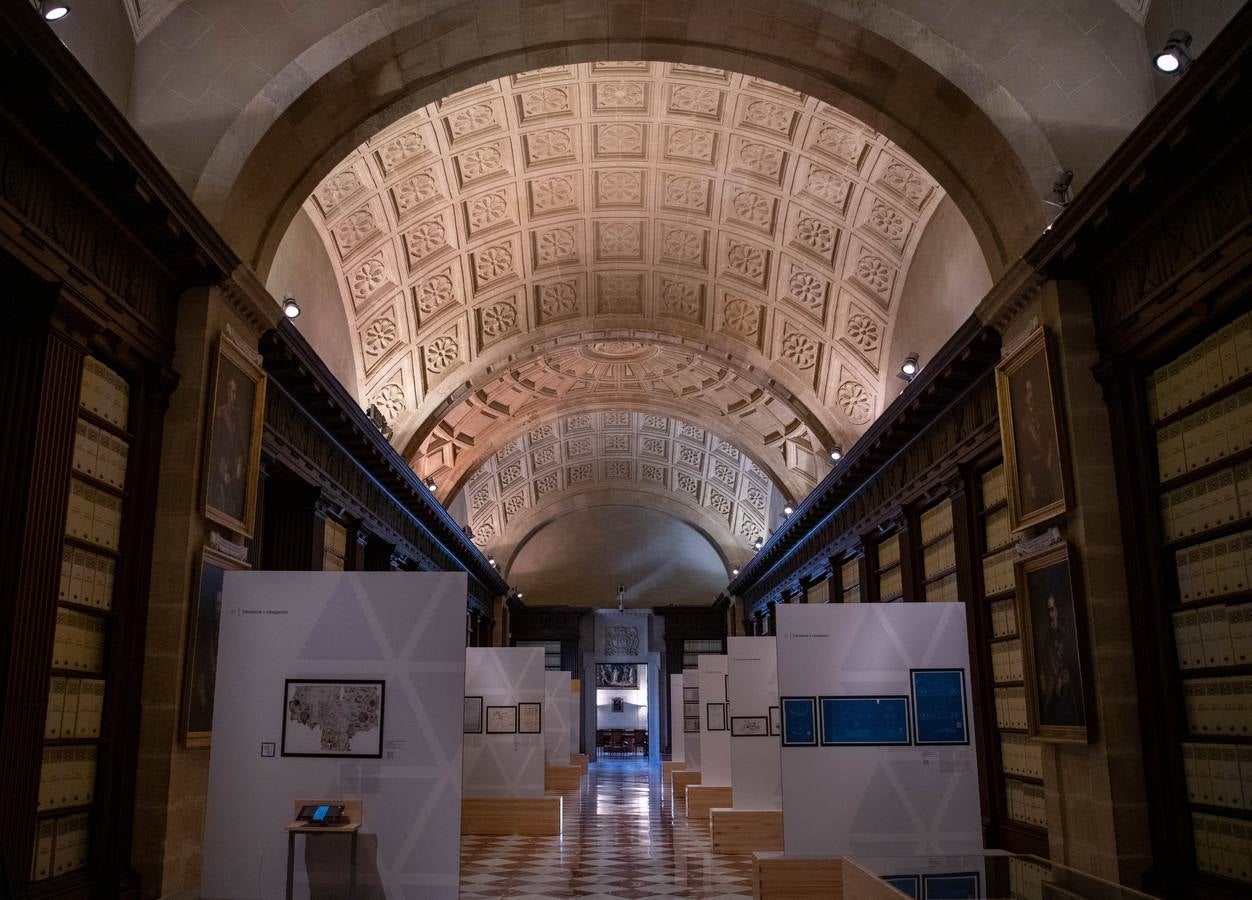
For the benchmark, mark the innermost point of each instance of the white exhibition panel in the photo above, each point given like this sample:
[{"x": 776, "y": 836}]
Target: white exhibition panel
[
  {"x": 755, "y": 767},
  {"x": 404, "y": 629},
  {"x": 691, "y": 739},
  {"x": 677, "y": 742},
  {"x": 874, "y": 800},
  {"x": 557, "y": 705},
  {"x": 574, "y": 698},
  {"x": 714, "y": 740},
  {"x": 503, "y": 765}
]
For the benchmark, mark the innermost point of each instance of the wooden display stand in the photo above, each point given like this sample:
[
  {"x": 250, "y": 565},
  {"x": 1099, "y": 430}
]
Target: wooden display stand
[
  {"x": 703, "y": 797},
  {"x": 776, "y": 877},
  {"x": 746, "y": 830},
  {"x": 352, "y": 827},
  {"x": 562, "y": 778},
  {"x": 581, "y": 760},
  {"x": 536, "y": 816},
  {"x": 679, "y": 781}
]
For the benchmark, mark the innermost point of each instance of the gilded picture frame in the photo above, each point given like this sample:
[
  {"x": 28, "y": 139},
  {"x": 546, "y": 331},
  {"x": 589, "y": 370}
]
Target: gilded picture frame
[
  {"x": 1056, "y": 669},
  {"x": 200, "y": 653},
  {"x": 236, "y": 417},
  {"x": 1032, "y": 433}
]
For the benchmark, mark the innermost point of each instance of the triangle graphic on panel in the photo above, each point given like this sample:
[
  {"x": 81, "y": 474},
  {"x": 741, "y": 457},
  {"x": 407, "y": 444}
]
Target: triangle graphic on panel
[
  {"x": 913, "y": 639},
  {"x": 431, "y": 645},
  {"x": 442, "y": 684},
  {"x": 342, "y": 631},
  {"x": 873, "y": 649},
  {"x": 487, "y": 771},
  {"x": 924, "y": 785},
  {"x": 400, "y": 718},
  {"x": 396, "y": 616},
  {"x": 882, "y": 810},
  {"x": 942, "y": 636},
  {"x": 951, "y": 822}
]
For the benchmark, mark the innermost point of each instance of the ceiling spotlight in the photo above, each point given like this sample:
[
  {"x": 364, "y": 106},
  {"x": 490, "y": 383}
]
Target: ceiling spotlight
[
  {"x": 1060, "y": 195},
  {"x": 734, "y": 572},
  {"x": 291, "y": 308},
  {"x": 788, "y": 510},
  {"x": 1174, "y": 58},
  {"x": 836, "y": 453},
  {"x": 431, "y": 486},
  {"x": 54, "y": 11},
  {"x": 908, "y": 368}
]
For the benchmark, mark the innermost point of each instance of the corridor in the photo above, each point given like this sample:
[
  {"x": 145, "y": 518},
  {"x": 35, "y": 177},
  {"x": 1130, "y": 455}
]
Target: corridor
[{"x": 622, "y": 838}]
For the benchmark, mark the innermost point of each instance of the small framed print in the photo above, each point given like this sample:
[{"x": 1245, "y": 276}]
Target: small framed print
[
  {"x": 715, "y": 715},
  {"x": 691, "y": 709},
  {"x": 1032, "y": 435},
  {"x": 691, "y": 695},
  {"x": 749, "y": 726},
  {"x": 472, "y": 716},
  {"x": 691, "y": 724},
  {"x": 1052, "y": 621},
  {"x": 799, "y": 721},
  {"x": 333, "y": 717},
  {"x": 236, "y": 419},
  {"x": 501, "y": 720},
  {"x": 530, "y": 718},
  {"x": 939, "y": 706},
  {"x": 775, "y": 721}
]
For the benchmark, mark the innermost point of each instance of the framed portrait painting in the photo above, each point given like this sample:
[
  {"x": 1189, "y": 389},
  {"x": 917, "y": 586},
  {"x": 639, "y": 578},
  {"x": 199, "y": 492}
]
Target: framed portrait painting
[
  {"x": 1032, "y": 435},
  {"x": 1052, "y": 621},
  {"x": 236, "y": 417},
  {"x": 200, "y": 660}
]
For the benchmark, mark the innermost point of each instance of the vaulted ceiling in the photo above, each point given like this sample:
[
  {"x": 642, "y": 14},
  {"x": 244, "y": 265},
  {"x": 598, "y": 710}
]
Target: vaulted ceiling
[{"x": 628, "y": 235}]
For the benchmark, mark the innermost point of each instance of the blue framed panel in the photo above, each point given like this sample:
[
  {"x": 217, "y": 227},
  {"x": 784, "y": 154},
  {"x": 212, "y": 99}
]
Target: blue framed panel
[
  {"x": 865, "y": 721},
  {"x": 939, "y": 706},
  {"x": 908, "y": 885},
  {"x": 799, "y": 721},
  {"x": 957, "y": 886}
]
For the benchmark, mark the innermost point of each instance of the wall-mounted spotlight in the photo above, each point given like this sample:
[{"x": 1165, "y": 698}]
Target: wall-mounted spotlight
[
  {"x": 431, "y": 486},
  {"x": 491, "y": 560},
  {"x": 734, "y": 572},
  {"x": 519, "y": 595},
  {"x": 836, "y": 453},
  {"x": 53, "y": 12},
  {"x": 1060, "y": 195},
  {"x": 291, "y": 309},
  {"x": 758, "y": 544},
  {"x": 788, "y": 510},
  {"x": 1174, "y": 58},
  {"x": 909, "y": 367}
]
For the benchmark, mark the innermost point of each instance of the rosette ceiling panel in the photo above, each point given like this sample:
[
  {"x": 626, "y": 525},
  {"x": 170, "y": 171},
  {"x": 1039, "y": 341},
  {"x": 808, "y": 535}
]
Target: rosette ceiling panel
[{"x": 575, "y": 279}]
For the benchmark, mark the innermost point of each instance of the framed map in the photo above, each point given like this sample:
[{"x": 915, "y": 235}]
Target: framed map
[
  {"x": 502, "y": 720},
  {"x": 530, "y": 718},
  {"x": 749, "y": 726},
  {"x": 327, "y": 717}
]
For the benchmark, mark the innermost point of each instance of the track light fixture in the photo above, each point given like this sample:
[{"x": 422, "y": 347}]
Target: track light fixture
[
  {"x": 291, "y": 309},
  {"x": 1174, "y": 58},
  {"x": 53, "y": 12},
  {"x": 1060, "y": 195},
  {"x": 909, "y": 368},
  {"x": 836, "y": 453}
]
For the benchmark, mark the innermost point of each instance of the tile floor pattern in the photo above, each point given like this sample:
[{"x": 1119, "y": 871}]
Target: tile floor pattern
[{"x": 622, "y": 840}]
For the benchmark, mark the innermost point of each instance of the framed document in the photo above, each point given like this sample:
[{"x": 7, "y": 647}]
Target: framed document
[
  {"x": 865, "y": 721},
  {"x": 328, "y": 717},
  {"x": 749, "y": 726},
  {"x": 200, "y": 665},
  {"x": 236, "y": 416},
  {"x": 501, "y": 720},
  {"x": 715, "y": 714},
  {"x": 1036, "y": 456},
  {"x": 691, "y": 724},
  {"x": 939, "y": 706},
  {"x": 1053, "y": 623},
  {"x": 472, "y": 716},
  {"x": 691, "y": 695},
  {"x": 799, "y": 721},
  {"x": 691, "y": 709},
  {"x": 530, "y": 718},
  {"x": 775, "y": 721}
]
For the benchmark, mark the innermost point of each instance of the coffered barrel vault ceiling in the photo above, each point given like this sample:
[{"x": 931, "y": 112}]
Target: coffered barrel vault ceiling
[{"x": 618, "y": 239}]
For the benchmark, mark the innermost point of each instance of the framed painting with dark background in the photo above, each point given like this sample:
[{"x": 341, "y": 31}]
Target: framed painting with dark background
[
  {"x": 200, "y": 660},
  {"x": 233, "y": 455}
]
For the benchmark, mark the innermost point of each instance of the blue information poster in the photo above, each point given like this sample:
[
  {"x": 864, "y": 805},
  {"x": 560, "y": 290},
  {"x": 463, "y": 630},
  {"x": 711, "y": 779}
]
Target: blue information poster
[
  {"x": 861, "y": 721},
  {"x": 908, "y": 885},
  {"x": 799, "y": 715},
  {"x": 952, "y": 887},
  {"x": 939, "y": 706}
]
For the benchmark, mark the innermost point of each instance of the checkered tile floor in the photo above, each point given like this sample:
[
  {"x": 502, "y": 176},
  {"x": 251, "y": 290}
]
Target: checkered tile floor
[{"x": 622, "y": 840}]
